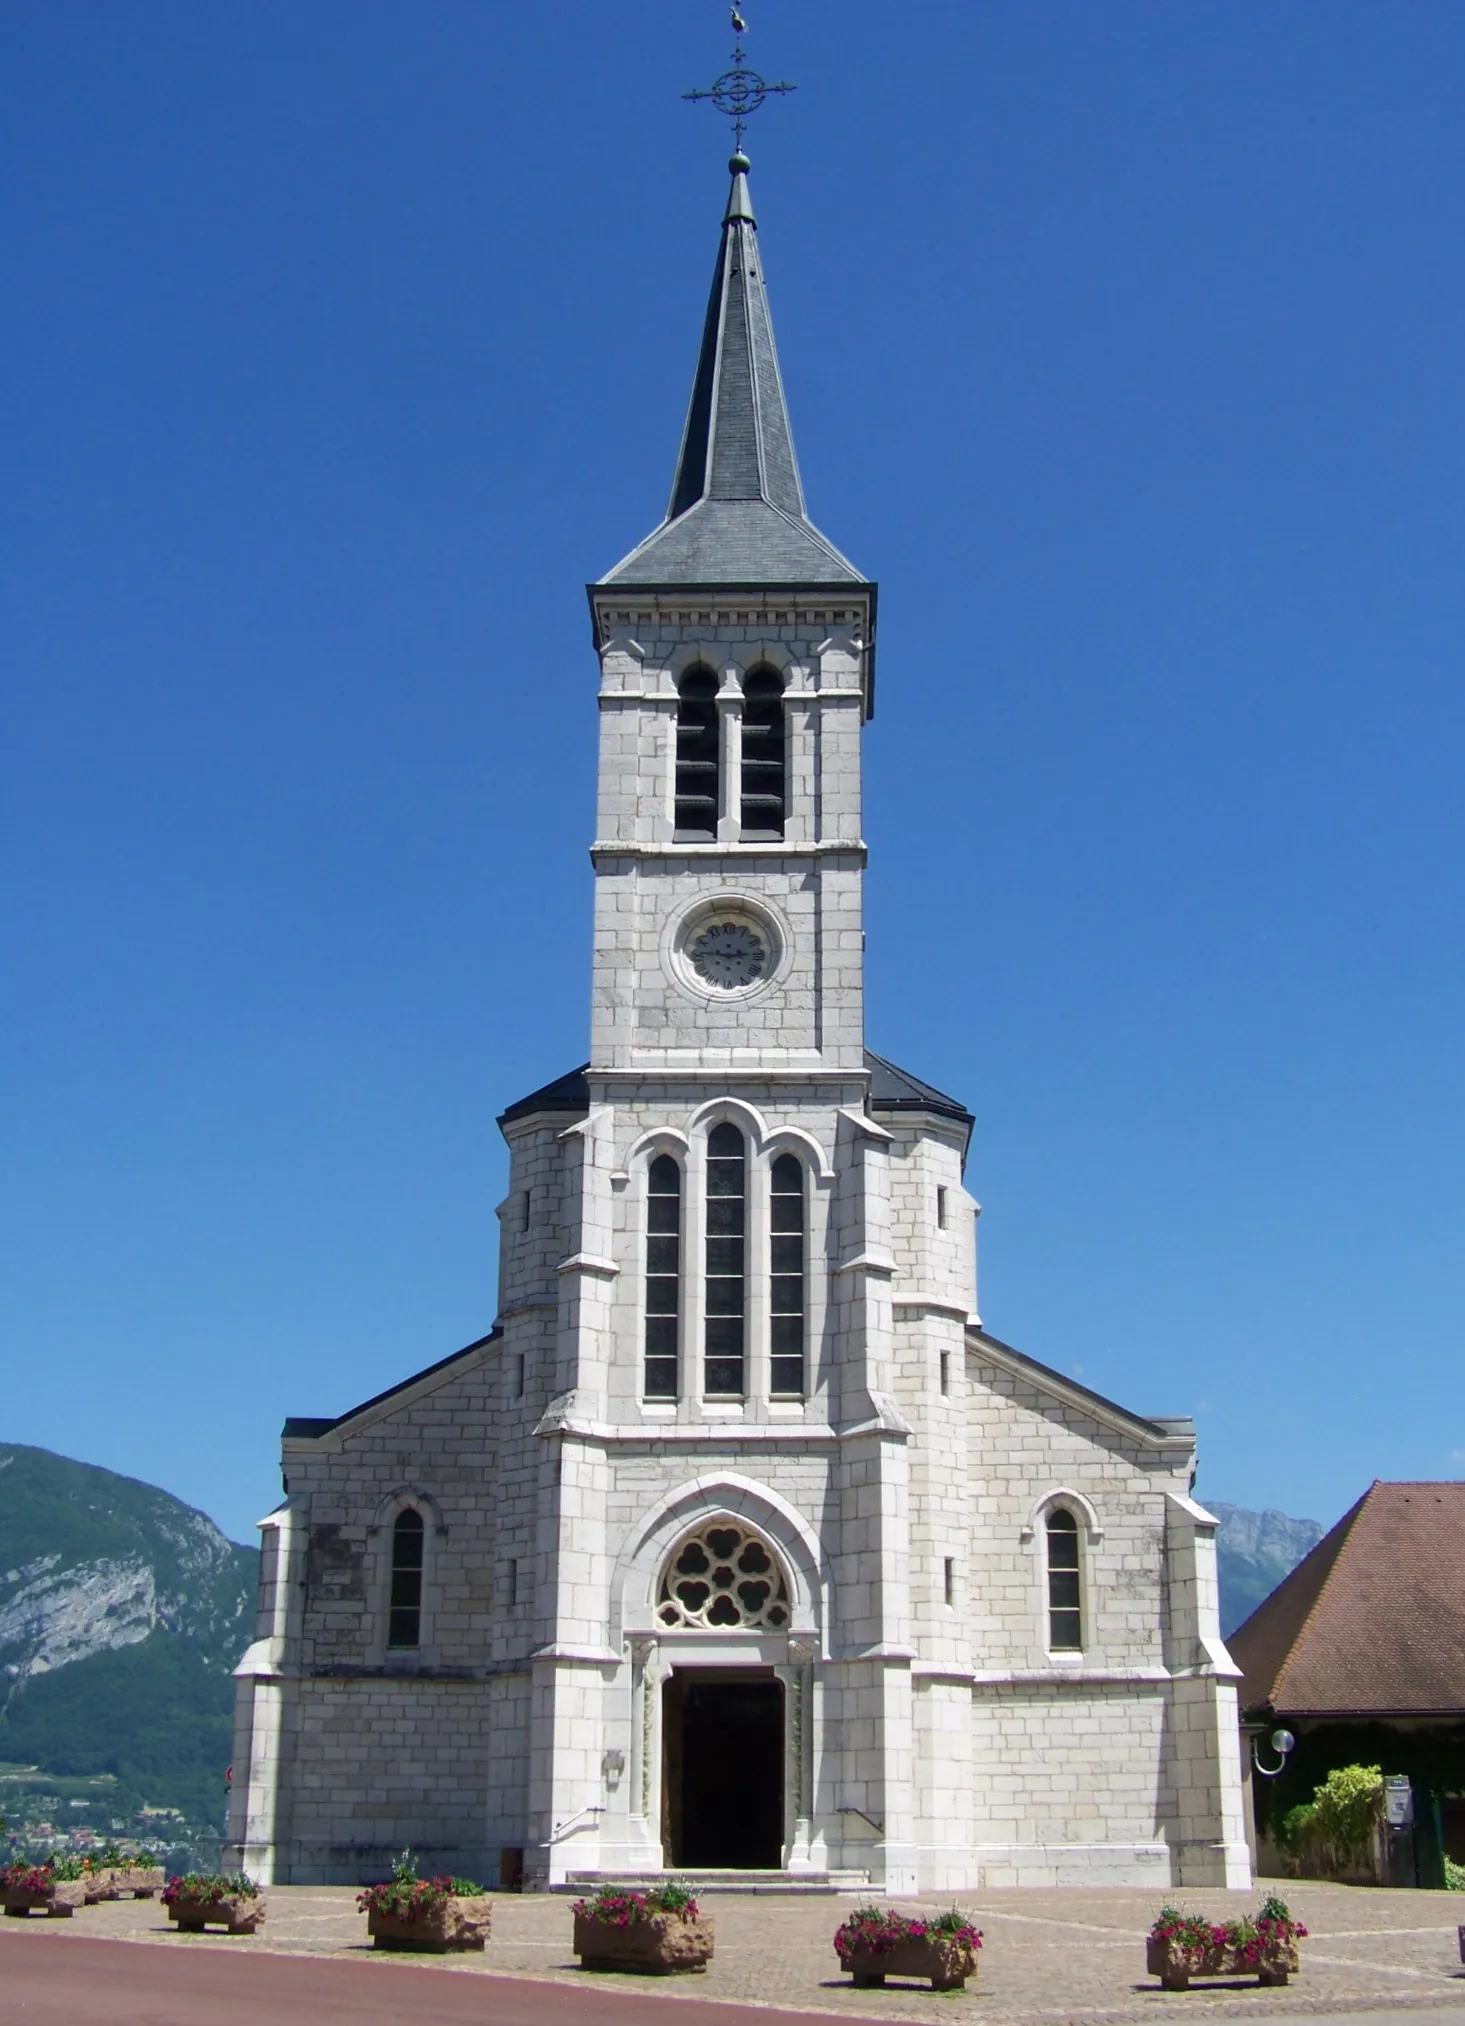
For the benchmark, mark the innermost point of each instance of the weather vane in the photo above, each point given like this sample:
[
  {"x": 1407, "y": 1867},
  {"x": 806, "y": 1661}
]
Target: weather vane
[{"x": 739, "y": 92}]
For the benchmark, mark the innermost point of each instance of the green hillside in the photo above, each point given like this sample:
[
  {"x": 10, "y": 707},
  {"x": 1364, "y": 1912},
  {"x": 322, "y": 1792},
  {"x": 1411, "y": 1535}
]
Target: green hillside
[{"x": 122, "y": 1612}]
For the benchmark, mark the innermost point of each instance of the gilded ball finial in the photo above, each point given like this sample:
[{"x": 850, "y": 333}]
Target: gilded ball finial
[{"x": 739, "y": 163}]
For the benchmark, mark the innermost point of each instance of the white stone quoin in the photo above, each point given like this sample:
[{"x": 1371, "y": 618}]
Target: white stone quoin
[{"x": 979, "y": 1643}]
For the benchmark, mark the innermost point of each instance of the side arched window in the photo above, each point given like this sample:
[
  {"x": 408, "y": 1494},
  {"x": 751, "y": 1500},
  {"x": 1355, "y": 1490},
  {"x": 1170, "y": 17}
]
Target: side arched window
[
  {"x": 699, "y": 755},
  {"x": 763, "y": 790},
  {"x": 726, "y": 1287},
  {"x": 663, "y": 1276},
  {"x": 404, "y": 1614},
  {"x": 786, "y": 1281},
  {"x": 1065, "y": 1605}
]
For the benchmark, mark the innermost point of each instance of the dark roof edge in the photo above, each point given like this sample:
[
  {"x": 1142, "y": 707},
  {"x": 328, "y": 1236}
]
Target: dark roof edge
[
  {"x": 565, "y": 1093},
  {"x": 305, "y": 1427},
  {"x": 1074, "y": 1385},
  {"x": 1351, "y": 1714},
  {"x": 921, "y": 1096}
]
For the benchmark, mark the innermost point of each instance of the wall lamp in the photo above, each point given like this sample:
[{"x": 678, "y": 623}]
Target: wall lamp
[{"x": 1282, "y": 1743}]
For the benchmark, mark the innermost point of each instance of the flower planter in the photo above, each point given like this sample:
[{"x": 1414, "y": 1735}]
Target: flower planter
[
  {"x": 876, "y": 1942},
  {"x": 436, "y": 1926},
  {"x": 947, "y": 1962},
  {"x": 237, "y": 1913},
  {"x": 657, "y": 1944},
  {"x": 58, "y": 1900},
  {"x": 1271, "y": 1962}
]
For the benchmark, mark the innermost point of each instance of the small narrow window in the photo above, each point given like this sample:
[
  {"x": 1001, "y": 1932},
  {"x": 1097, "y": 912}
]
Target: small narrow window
[
  {"x": 786, "y": 1304},
  {"x": 663, "y": 1276},
  {"x": 945, "y": 1372},
  {"x": 940, "y": 1208},
  {"x": 519, "y": 1377},
  {"x": 763, "y": 755},
  {"x": 526, "y": 1209},
  {"x": 699, "y": 755},
  {"x": 949, "y": 1579},
  {"x": 1065, "y": 1617},
  {"x": 511, "y": 1585},
  {"x": 404, "y": 1617},
  {"x": 726, "y": 1226}
]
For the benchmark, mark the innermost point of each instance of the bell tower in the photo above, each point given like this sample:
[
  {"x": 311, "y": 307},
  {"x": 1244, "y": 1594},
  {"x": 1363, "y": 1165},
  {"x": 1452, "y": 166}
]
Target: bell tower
[{"x": 736, "y": 650}]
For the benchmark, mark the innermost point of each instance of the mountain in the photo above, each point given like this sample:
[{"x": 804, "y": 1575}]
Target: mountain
[
  {"x": 122, "y": 1611},
  {"x": 1254, "y": 1551}
]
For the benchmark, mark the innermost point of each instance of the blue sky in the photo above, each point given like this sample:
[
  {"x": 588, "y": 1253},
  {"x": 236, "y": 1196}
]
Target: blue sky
[{"x": 1123, "y": 344}]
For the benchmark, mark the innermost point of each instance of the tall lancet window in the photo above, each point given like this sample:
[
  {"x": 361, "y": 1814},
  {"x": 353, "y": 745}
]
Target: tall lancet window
[
  {"x": 404, "y": 1615},
  {"x": 786, "y": 1286},
  {"x": 727, "y": 1206},
  {"x": 763, "y": 754},
  {"x": 663, "y": 1276},
  {"x": 699, "y": 755},
  {"x": 1065, "y": 1605}
]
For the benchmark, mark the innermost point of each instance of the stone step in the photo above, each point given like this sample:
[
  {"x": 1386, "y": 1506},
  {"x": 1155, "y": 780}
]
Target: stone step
[{"x": 705, "y": 1882}]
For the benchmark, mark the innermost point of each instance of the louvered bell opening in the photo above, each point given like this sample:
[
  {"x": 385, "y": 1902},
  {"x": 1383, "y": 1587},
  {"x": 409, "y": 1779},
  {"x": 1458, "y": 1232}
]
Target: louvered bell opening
[
  {"x": 763, "y": 791},
  {"x": 699, "y": 755}
]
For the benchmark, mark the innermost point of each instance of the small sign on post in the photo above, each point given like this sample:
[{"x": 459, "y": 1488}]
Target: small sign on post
[{"x": 1398, "y": 1801}]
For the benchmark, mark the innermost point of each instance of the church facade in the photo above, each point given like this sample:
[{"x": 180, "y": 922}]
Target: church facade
[{"x": 738, "y": 1542}]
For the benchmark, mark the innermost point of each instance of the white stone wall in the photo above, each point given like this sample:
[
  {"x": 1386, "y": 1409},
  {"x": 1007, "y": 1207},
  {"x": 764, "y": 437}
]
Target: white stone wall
[{"x": 932, "y": 1737}]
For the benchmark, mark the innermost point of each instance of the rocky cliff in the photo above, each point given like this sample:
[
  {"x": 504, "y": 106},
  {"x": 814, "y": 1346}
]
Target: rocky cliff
[
  {"x": 1254, "y": 1551},
  {"x": 122, "y": 1611}
]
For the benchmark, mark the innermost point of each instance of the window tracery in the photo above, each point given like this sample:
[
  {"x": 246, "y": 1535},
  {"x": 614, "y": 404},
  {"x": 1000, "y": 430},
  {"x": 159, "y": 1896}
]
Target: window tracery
[{"x": 724, "y": 1578}]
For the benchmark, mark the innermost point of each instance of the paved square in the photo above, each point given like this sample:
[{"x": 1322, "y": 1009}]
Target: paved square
[{"x": 1049, "y": 1956}]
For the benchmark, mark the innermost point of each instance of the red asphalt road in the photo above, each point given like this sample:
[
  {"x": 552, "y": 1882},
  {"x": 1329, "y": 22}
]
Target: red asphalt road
[{"x": 50, "y": 1981}]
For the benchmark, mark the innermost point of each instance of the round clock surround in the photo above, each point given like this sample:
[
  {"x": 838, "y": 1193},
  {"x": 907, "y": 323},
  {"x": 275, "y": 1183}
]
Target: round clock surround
[{"x": 725, "y": 947}]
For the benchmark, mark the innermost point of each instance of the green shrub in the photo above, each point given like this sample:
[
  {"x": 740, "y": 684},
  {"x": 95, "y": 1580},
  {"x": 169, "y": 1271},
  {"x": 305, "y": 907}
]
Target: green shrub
[{"x": 1346, "y": 1807}]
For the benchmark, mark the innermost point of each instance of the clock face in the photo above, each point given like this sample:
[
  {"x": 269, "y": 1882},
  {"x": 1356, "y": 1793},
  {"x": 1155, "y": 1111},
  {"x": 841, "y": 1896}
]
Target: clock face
[{"x": 729, "y": 955}]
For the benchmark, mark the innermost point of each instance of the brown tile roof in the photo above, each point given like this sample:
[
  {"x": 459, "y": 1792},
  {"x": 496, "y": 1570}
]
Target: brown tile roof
[{"x": 1372, "y": 1622}]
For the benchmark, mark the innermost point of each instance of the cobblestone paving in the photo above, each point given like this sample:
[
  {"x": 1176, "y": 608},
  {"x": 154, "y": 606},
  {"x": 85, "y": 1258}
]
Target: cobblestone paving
[{"x": 1050, "y": 1956}]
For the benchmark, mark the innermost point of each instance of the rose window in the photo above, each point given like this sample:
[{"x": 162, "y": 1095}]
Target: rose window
[{"x": 723, "y": 1577}]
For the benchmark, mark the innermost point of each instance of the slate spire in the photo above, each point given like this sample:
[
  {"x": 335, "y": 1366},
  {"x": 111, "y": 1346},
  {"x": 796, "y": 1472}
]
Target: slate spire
[{"x": 737, "y": 505}]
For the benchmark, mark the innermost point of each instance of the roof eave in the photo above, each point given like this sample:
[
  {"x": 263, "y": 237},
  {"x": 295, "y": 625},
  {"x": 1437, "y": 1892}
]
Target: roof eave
[
  {"x": 309, "y": 1428},
  {"x": 763, "y": 588},
  {"x": 1165, "y": 1434}
]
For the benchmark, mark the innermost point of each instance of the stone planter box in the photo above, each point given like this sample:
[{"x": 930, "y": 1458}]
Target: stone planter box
[
  {"x": 946, "y": 1962},
  {"x": 235, "y": 1912},
  {"x": 58, "y": 1901},
  {"x": 659, "y": 1946},
  {"x": 450, "y": 1924},
  {"x": 1175, "y": 1968},
  {"x": 116, "y": 1881}
]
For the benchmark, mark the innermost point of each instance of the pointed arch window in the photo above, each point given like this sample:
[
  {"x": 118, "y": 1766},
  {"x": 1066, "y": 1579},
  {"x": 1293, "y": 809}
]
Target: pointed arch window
[
  {"x": 726, "y": 1281},
  {"x": 663, "y": 1276},
  {"x": 404, "y": 1612},
  {"x": 786, "y": 1319},
  {"x": 764, "y": 740},
  {"x": 699, "y": 755},
  {"x": 1065, "y": 1601}
]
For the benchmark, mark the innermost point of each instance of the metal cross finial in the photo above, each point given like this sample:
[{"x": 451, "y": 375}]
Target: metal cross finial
[{"x": 739, "y": 92}]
